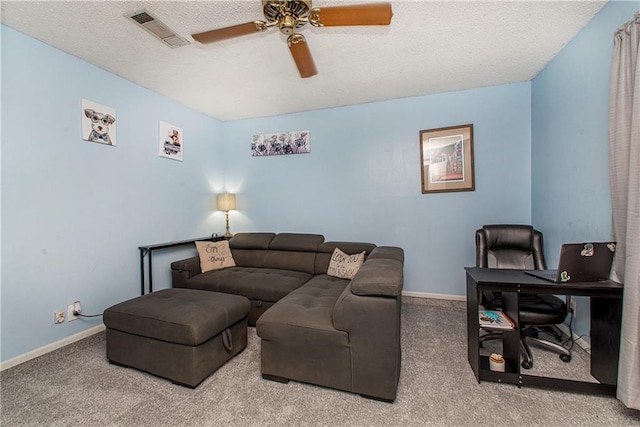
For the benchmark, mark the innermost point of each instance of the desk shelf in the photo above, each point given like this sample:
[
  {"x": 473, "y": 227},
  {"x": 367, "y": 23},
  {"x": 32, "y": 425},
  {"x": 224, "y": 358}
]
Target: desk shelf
[
  {"x": 606, "y": 315},
  {"x": 511, "y": 374},
  {"x": 508, "y": 369}
]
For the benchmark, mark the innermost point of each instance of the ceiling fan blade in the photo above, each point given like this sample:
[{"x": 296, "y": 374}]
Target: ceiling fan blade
[
  {"x": 302, "y": 55},
  {"x": 360, "y": 14},
  {"x": 229, "y": 32}
]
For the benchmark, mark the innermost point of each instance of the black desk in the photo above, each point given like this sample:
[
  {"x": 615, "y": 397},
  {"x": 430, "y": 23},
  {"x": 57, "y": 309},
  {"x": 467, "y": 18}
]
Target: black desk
[
  {"x": 606, "y": 316},
  {"x": 148, "y": 249}
]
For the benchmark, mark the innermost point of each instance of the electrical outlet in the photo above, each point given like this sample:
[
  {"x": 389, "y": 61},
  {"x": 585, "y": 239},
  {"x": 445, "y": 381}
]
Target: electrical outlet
[
  {"x": 573, "y": 308},
  {"x": 58, "y": 317},
  {"x": 77, "y": 307},
  {"x": 70, "y": 309}
]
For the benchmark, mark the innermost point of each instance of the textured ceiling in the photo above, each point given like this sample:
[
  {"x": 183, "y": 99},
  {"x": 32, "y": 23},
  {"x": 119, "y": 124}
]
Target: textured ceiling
[{"x": 430, "y": 47}]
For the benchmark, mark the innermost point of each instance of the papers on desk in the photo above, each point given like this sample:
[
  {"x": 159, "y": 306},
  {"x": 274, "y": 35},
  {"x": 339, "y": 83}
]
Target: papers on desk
[{"x": 493, "y": 319}]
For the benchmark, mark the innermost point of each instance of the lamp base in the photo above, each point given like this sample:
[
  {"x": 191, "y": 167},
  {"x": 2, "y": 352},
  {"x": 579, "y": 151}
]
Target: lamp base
[{"x": 228, "y": 234}]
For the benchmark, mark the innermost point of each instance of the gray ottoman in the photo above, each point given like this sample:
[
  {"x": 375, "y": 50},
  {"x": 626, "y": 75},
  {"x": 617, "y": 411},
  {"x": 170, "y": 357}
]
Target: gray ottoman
[{"x": 181, "y": 334}]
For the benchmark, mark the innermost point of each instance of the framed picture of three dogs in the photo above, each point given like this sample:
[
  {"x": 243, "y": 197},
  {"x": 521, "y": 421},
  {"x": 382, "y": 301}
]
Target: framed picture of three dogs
[{"x": 99, "y": 126}]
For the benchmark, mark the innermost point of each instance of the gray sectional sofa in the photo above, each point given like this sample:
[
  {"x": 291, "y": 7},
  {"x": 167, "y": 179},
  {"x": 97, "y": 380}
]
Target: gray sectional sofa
[{"x": 315, "y": 328}]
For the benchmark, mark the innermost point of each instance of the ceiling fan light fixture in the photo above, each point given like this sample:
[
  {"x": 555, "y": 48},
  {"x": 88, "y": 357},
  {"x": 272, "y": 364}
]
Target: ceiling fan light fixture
[{"x": 288, "y": 24}]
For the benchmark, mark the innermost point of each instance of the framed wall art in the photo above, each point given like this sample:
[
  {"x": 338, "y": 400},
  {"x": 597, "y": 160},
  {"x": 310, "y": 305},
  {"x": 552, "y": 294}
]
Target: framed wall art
[
  {"x": 98, "y": 123},
  {"x": 278, "y": 144},
  {"x": 446, "y": 159},
  {"x": 171, "y": 141}
]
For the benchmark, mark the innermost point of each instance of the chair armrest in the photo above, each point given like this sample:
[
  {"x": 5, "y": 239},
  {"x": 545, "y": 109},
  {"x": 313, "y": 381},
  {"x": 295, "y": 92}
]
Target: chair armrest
[
  {"x": 381, "y": 274},
  {"x": 183, "y": 270}
]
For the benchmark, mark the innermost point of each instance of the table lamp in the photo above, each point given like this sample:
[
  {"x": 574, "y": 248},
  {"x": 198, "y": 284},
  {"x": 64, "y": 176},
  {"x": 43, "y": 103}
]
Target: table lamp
[{"x": 226, "y": 203}]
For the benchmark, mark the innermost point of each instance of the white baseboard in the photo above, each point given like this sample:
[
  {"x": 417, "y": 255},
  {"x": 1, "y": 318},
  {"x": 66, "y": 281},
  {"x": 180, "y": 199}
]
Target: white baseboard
[
  {"x": 434, "y": 296},
  {"x": 50, "y": 347}
]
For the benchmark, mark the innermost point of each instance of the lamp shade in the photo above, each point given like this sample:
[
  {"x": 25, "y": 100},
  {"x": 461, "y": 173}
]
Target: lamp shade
[{"x": 226, "y": 202}]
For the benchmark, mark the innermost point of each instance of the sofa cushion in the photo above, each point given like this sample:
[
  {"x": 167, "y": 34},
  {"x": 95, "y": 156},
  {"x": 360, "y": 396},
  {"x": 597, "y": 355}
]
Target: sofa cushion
[
  {"x": 251, "y": 240},
  {"x": 346, "y": 247},
  {"x": 296, "y": 242},
  {"x": 344, "y": 266},
  {"x": 299, "y": 341},
  {"x": 310, "y": 306},
  {"x": 214, "y": 255},
  {"x": 279, "y": 260},
  {"x": 263, "y": 284}
]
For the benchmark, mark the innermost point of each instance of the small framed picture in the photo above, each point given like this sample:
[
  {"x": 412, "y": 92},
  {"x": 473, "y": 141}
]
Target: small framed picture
[
  {"x": 98, "y": 123},
  {"x": 171, "y": 141},
  {"x": 446, "y": 159}
]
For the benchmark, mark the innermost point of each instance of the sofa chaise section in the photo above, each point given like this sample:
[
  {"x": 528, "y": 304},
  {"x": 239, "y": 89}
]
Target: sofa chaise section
[
  {"x": 343, "y": 334},
  {"x": 298, "y": 338}
]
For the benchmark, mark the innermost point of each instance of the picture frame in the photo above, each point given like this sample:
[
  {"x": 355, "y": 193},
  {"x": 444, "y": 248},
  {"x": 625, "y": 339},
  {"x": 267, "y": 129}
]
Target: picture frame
[
  {"x": 446, "y": 159},
  {"x": 279, "y": 144},
  {"x": 171, "y": 141},
  {"x": 98, "y": 123}
]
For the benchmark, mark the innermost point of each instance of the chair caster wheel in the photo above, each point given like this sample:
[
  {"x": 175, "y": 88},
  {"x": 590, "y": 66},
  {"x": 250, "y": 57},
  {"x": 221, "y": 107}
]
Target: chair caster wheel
[
  {"x": 566, "y": 358},
  {"x": 526, "y": 364}
]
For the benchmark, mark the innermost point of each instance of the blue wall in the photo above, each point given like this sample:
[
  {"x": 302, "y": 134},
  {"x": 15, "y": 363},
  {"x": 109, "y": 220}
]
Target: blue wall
[
  {"x": 74, "y": 212},
  {"x": 570, "y": 106},
  {"x": 361, "y": 180}
]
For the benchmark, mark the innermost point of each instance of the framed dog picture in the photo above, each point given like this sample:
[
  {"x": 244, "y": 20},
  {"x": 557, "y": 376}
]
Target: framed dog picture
[
  {"x": 171, "y": 141},
  {"x": 446, "y": 159},
  {"x": 98, "y": 123}
]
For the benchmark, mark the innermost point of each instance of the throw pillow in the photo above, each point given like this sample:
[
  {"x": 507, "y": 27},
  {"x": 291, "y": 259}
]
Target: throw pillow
[
  {"x": 344, "y": 266},
  {"x": 215, "y": 255}
]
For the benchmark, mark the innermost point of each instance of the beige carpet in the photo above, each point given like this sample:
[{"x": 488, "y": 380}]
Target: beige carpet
[{"x": 76, "y": 386}]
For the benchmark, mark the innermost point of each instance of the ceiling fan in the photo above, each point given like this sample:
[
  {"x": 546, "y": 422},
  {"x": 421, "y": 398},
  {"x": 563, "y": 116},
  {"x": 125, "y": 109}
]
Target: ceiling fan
[{"x": 289, "y": 15}]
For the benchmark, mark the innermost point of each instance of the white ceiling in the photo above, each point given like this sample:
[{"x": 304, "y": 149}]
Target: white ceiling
[{"x": 430, "y": 47}]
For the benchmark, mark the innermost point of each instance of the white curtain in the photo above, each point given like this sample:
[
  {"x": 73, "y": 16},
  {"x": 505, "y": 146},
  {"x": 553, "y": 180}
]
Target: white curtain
[{"x": 624, "y": 177}]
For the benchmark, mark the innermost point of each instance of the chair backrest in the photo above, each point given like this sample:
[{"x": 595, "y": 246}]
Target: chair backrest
[{"x": 509, "y": 246}]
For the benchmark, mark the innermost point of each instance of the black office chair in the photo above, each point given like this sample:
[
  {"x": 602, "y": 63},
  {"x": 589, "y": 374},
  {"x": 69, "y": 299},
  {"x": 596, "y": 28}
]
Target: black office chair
[{"x": 520, "y": 247}]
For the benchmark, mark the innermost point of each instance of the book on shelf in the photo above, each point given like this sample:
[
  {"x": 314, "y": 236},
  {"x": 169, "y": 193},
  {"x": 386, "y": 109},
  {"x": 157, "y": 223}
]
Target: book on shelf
[{"x": 495, "y": 319}]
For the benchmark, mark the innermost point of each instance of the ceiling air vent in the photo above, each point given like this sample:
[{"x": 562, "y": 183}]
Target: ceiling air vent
[{"x": 157, "y": 28}]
